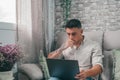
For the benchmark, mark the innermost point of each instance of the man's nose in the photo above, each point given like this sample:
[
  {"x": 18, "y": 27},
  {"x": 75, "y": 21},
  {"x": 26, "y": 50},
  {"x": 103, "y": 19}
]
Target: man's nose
[{"x": 71, "y": 37}]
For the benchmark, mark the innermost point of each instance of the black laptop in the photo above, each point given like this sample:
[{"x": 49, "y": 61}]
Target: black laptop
[{"x": 63, "y": 69}]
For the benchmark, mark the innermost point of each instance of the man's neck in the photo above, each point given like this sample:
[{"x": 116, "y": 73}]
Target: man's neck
[{"x": 79, "y": 42}]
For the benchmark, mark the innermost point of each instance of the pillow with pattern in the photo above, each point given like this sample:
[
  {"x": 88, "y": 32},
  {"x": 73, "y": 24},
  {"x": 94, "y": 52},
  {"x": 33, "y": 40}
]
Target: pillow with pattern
[
  {"x": 44, "y": 67},
  {"x": 116, "y": 63}
]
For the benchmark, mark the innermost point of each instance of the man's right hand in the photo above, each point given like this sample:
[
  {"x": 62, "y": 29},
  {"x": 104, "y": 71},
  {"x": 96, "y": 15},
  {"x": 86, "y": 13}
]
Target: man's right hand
[
  {"x": 56, "y": 53},
  {"x": 69, "y": 43}
]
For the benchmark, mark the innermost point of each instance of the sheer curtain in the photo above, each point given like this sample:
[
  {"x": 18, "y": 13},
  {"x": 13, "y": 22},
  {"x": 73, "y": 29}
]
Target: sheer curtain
[
  {"x": 35, "y": 20},
  {"x": 49, "y": 23},
  {"x": 30, "y": 31}
]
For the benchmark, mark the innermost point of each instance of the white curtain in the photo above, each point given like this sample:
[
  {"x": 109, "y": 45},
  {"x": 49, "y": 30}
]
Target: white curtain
[
  {"x": 30, "y": 31},
  {"x": 49, "y": 23}
]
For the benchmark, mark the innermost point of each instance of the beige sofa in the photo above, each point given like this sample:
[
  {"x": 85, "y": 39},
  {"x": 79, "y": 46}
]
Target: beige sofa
[{"x": 108, "y": 40}]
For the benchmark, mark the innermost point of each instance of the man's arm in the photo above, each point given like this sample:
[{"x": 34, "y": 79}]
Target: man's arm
[
  {"x": 57, "y": 53},
  {"x": 95, "y": 70},
  {"x": 96, "y": 62}
]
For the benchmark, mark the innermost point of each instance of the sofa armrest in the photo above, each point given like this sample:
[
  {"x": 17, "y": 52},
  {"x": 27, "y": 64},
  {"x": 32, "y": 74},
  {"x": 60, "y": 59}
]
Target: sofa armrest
[{"x": 32, "y": 71}]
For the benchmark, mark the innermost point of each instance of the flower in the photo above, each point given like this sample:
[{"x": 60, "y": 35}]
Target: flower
[{"x": 9, "y": 54}]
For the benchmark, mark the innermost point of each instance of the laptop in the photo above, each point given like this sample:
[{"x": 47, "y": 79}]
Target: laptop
[{"x": 63, "y": 69}]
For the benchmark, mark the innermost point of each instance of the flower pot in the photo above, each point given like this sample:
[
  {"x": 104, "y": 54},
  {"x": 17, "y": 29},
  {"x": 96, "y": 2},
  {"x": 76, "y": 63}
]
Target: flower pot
[{"x": 6, "y": 75}]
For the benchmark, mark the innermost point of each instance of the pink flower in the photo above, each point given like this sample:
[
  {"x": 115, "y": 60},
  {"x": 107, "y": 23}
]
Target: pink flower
[{"x": 9, "y": 54}]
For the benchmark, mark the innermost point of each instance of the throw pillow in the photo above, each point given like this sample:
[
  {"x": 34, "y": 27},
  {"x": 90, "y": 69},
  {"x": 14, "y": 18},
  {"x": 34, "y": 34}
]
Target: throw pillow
[
  {"x": 43, "y": 63},
  {"x": 116, "y": 63}
]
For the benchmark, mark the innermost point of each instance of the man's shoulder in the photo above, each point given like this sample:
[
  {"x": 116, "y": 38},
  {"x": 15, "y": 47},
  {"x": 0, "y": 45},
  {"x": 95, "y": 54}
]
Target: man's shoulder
[{"x": 91, "y": 42}]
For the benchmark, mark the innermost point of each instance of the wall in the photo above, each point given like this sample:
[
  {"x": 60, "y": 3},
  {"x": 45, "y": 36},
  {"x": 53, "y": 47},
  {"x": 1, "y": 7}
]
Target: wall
[{"x": 94, "y": 14}]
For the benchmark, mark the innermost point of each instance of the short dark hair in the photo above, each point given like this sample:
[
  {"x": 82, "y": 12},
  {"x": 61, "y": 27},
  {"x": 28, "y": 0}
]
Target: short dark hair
[{"x": 73, "y": 23}]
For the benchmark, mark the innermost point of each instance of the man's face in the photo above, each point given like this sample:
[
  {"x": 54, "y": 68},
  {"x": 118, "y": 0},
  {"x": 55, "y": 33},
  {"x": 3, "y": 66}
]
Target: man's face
[{"x": 74, "y": 34}]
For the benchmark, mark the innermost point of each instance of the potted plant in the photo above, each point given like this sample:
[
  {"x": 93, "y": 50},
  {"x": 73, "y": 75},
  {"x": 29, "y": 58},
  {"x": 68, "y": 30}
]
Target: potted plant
[
  {"x": 9, "y": 55},
  {"x": 66, "y": 6}
]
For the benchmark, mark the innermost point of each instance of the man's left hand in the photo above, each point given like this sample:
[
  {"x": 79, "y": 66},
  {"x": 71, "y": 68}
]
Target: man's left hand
[{"x": 81, "y": 76}]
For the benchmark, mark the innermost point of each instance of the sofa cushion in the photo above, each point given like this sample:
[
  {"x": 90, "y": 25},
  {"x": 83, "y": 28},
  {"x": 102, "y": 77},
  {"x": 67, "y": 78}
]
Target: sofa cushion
[
  {"x": 111, "y": 40},
  {"x": 60, "y": 38},
  {"x": 116, "y": 63},
  {"x": 31, "y": 70},
  {"x": 108, "y": 65},
  {"x": 95, "y": 36}
]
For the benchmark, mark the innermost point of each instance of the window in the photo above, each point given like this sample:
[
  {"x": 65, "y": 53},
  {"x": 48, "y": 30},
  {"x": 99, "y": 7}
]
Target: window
[
  {"x": 7, "y": 21},
  {"x": 8, "y": 11}
]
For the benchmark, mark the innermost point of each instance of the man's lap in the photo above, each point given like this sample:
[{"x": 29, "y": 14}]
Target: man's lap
[{"x": 54, "y": 78}]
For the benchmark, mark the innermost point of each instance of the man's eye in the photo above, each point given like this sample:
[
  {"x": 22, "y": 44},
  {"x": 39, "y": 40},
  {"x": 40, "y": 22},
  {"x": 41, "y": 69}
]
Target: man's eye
[
  {"x": 73, "y": 34},
  {"x": 68, "y": 33}
]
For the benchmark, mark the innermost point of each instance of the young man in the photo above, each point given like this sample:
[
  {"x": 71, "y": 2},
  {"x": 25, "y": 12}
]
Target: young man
[{"x": 78, "y": 47}]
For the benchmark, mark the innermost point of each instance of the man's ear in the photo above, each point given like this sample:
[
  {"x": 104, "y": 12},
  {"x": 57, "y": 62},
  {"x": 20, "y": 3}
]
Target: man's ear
[{"x": 81, "y": 30}]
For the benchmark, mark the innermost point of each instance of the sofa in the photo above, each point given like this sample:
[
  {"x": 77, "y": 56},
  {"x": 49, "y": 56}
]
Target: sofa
[{"x": 109, "y": 40}]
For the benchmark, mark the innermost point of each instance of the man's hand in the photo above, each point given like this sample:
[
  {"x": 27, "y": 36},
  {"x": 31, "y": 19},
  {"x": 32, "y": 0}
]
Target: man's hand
[
  {"x": 56, "y": 53},
  {"x": 69, "y": 43},
  {"x": 95, "y": 70},
  {"x": 81, "y": 76}
]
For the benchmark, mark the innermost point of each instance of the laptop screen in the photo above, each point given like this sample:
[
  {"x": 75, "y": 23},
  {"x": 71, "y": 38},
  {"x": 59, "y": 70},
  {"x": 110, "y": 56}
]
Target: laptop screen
[{"x": 63, "y": 69}]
